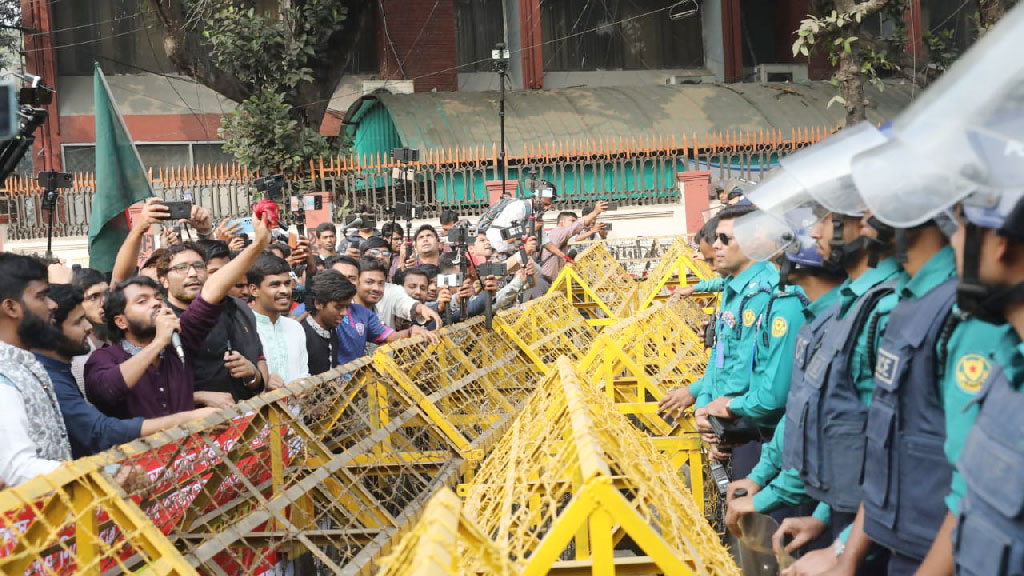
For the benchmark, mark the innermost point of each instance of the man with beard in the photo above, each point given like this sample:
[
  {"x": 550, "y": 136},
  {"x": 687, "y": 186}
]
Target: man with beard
[
  {"x": 331, "y": 296},
  {"x": 284, "y": 340},
  {"x": 35, "y": 441},
  {"x": 142, "y": 373},
  {"x": 230, "y": 364},
  {"x": 89, "y": 430}
]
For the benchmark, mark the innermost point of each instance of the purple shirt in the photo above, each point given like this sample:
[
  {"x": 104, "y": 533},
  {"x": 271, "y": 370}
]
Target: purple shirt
[{"x": 164, "y": 389}]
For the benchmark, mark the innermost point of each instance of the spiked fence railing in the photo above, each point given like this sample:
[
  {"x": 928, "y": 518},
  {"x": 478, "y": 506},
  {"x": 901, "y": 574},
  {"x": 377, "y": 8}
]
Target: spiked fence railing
[{"x": 572, "y": 478}]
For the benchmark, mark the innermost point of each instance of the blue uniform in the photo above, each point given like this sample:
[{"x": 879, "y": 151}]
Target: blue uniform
[
  {"x": 782, "y": 486},
  {"x": 906, "y": 474}
]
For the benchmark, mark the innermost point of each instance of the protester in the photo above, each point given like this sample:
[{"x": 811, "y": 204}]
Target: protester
[
  {"x": 393, "y": 303},
  {"x": 35, "y": 440},
  {"x": 428, "y": 246},
  {"x": 94, "y": 286},
  {"x": 331, "y": 295},
  {"x": 326, "y": 240},
  {"x": 415, "y": 282},
  {"x": 89, "y": 430},
  {"x": 141, "y": 374},
  {"x": 218, "y": 254},
  {"x": 284, "y": 340},
  {"x": 230, "y": 364}
]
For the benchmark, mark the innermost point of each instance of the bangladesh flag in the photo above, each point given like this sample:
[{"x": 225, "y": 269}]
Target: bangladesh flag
[{"x": 120, "y": 179}]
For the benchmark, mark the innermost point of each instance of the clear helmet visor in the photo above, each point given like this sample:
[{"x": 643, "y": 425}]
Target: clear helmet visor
[
  {"x": 964, "y": 134},
  {"x": 764, "y": 235}
]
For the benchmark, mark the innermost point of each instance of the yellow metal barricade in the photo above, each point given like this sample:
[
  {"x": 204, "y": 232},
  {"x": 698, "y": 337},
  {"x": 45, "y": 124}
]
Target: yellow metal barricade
[
  {"x": 443, "y": 542},
  {"x": 547, "y": 328},
  {"x": 572, "y": 477},
  {"x": 598, "y": 286},
  {"x": 677, "y": 267}
]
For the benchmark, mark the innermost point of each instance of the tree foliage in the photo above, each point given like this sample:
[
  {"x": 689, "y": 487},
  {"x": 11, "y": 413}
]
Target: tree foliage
[
  {"x": 280, "y": 64},
  {"x": 10, "y": 38}
]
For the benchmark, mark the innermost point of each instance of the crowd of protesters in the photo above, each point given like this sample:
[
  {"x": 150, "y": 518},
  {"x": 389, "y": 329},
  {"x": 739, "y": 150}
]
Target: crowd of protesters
[{"x": 214, "y": 316}]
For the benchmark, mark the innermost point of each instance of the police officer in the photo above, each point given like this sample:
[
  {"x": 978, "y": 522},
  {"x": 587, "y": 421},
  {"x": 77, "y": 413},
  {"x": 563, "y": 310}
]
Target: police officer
[
  {"x": 771, "y": 489},
  {"x": 745, "y": 295}
]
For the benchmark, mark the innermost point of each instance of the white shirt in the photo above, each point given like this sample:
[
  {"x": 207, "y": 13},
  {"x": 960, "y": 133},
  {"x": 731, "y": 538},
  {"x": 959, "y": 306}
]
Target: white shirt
[
  {"x": 395, "y": 303},
  {"x": 514, "y": 213},
  {"x": 284, "y": 345},
  {"x": 18, "y": 460}
]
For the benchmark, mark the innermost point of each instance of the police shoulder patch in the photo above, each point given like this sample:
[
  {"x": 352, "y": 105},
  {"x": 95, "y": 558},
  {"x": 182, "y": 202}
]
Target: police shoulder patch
[
  {"x": 971, "y": 372},
  {"x": 749, "y": 317},
  {"x": 779, "y": 327}
]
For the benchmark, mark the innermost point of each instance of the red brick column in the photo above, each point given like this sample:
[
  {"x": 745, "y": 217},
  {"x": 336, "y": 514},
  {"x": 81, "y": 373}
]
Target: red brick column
[
  {"x": 39, "y": 60},
  {"x": 423, "y": 38}
]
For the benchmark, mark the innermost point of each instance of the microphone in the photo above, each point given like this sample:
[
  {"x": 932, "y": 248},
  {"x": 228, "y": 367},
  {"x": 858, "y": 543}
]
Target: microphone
[{"x": 176, "y": 342}]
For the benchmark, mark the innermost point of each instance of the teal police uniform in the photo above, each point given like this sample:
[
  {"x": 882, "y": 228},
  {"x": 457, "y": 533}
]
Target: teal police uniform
[
  {"x": 765, "y": 398},
  {"x": 744, "y": 298}
]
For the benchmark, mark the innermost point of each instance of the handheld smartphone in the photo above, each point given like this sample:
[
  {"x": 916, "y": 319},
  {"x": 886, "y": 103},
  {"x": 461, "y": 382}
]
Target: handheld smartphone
[
  {"x": 496, "y": 269},
  {"x": 245, "y": 223},
  {"x": 178, "y": 209},
  {"x": 293, "y": 240}
]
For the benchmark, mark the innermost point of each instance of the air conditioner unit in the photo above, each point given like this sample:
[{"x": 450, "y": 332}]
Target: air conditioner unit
[{"x": 393, "y": 86}]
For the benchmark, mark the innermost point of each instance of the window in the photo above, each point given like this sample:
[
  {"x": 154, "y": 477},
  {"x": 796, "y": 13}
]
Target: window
[
  {"x": 114, "y": 33},
  {"x": 82, "y": 157},
  {"x": 618, "y": 35},
  {"x": 478, "y": 27}
]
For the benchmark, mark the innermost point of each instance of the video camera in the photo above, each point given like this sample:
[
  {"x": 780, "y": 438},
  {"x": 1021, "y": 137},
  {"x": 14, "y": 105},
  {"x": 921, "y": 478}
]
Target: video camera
[
  {"x": 450, "y": 280},
  {"x": 496, "y": 269},
  {"x": 363, "y": 221},
  {"x": 513, "y": 231},
  {"x": 407, "y": 211},
  {"x": 272, "y": 185},
  {"x": 734, "y": 432},
  {"x": 459, "y": 235}
]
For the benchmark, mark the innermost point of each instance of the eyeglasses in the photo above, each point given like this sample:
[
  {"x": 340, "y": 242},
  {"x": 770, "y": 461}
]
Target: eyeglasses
[
  {"x": 378, "y": 253},
  {"x": 724, "y": 238},
  {"x": 183, "y": 268}
]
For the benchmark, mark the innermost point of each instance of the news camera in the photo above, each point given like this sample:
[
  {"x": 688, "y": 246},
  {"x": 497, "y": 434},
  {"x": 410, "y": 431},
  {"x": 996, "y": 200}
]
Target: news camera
[
  {"x": 513, "y": 231},
  {"x": 271, "y": 185},
  {"x": 450, "y": 280},
  {"x": 496, "y": 269},
  {"x": 459, "y": 235}
]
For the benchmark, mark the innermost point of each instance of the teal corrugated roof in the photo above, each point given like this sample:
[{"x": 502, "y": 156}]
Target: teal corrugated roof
[{"x": 465, "y": 119}]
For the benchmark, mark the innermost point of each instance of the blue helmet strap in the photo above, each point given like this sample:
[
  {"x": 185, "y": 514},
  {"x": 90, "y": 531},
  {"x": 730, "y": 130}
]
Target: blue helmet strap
[{"x": 842, "y": 252}]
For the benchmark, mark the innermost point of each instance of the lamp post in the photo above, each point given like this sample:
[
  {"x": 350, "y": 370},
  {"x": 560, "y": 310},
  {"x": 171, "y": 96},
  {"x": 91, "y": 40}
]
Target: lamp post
[{"x": 500, "y": 57}]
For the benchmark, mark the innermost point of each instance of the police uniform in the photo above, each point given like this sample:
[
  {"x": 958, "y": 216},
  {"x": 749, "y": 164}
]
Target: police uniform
[
  {"x": 781, "y": 486},
  {"x": 828, "y": 410},
  {"x": 765, "y": 398},
  {"x": 744, "y": 298},
  {"x": 905, "y": 471},
  {"x": 989, "y": 534}
]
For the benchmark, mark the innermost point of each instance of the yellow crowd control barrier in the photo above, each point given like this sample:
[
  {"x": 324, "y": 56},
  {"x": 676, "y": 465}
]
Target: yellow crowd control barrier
[
  {"x": 598, "y": 286},
  {"x": 444, "y": 541},
  {"x": 547, "y": 328},
  {"x": 331, "y": 469},
  {"x": 677, "y": 267},
  {"x": 572, "y": 478}
]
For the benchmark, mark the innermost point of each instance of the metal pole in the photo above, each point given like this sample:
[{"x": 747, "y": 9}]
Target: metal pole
[{"x": 501, "y": 114}]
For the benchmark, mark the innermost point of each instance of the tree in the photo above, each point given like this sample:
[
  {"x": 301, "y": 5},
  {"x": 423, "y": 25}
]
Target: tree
[
  {"x": 10, "y": 37},
  {"x": 281, "y": 65},
  {"x": 856, "y": 56}
]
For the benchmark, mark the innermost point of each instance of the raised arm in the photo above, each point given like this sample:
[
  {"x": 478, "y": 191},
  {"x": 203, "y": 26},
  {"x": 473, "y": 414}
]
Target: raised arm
[
  {"x": 128, "y": 256},
  {"x": 218, "y": 284}
]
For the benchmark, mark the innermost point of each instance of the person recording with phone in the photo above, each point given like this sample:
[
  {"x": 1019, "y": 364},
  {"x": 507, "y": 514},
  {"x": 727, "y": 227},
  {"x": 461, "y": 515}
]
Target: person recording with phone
[
  {"x": 154, "y": 211},
  {"x": 148, "y": 370}
]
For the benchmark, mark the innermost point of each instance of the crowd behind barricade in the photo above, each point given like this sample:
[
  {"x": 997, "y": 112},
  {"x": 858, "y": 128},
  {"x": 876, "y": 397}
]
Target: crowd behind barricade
[{"x": 215, "y": 316}]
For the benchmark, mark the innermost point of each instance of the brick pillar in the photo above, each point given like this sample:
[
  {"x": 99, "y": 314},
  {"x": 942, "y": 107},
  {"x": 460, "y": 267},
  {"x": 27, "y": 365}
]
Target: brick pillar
[
  {"x": 424, "y": 39},
  {"x": 39, "y": 60},
  {"x": 732, "y": 40},
  {"x": 530, "y": 37}
]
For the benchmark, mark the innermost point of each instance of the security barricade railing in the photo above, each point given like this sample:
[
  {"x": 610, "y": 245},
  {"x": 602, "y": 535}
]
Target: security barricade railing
[
  {"x": 676, "y": 267},
  {"x": 637, "y": 255},
  {"x": 445, "y": 541},
  {"x": 331, "y": 468},
  {"x": 547, "y": 328},
  {"x": 598, "y": 286},
  {"x": 467, "y": 386},
  {"x": 572, "y": 478}
]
